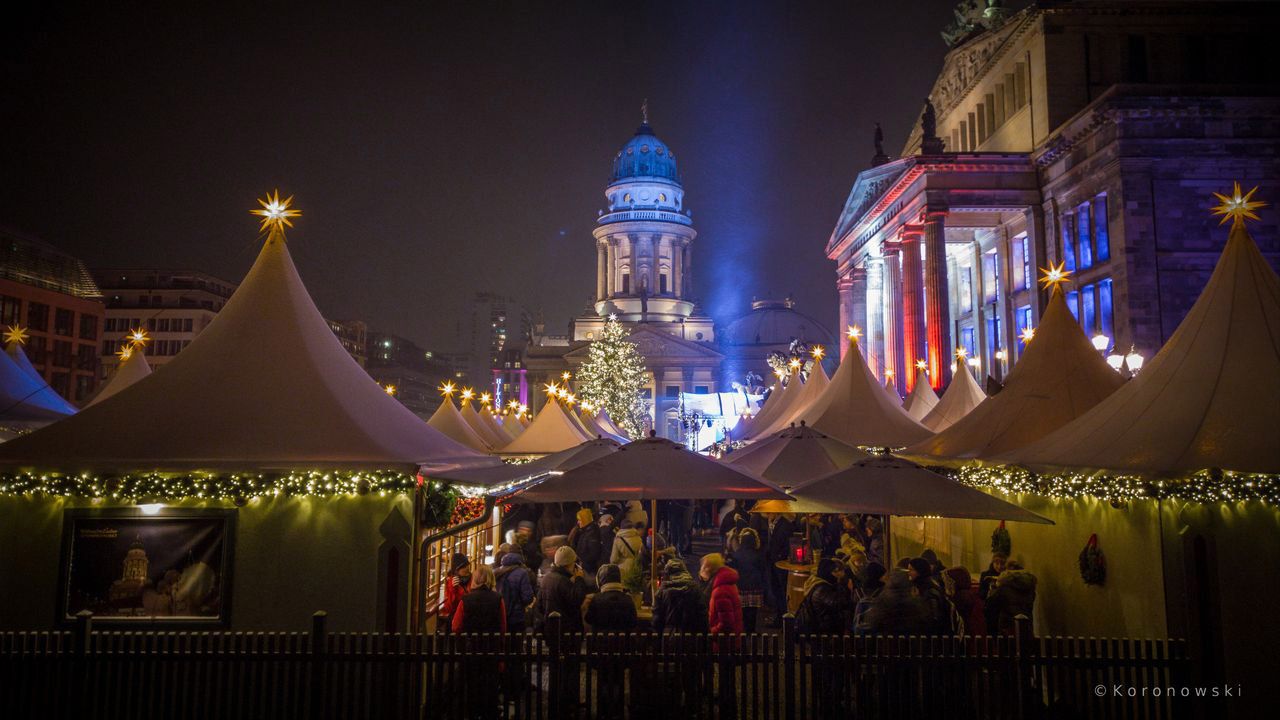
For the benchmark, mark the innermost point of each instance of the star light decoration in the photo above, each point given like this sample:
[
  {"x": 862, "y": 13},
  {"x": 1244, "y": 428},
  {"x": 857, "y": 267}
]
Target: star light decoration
[
  {"x": 1238, "y": 207},
  {"x": 1027, "y": 335},
  {"x": 854, "y": 333},
  {"x": 486, "y": 399},
  {"x": 391, "y": 389},
  {"x": 467, "y": 394},
  {"x": 921, "y": 365},
  {"x": 275, "y": 213},
  {"x": 125, "y": 352},
  {"x": 818, "y": 352},
  {"x": 138, "y": 337},
  {"x": 1053, "y": 277},
  {"x": 15, "y": 335},
  {"x": 447, "y": 389}
]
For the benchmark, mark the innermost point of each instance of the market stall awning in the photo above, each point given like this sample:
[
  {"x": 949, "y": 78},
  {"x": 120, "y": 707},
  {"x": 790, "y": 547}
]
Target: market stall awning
[
  {"x": 887, "y": 485},
  {"x": 652, "y": 469},
  {"x": 551, "y": 431},
  {"x": 1209, "y": 399},
  {"x": 794, "y": 456},
  {"x": 266, "y": 386}
]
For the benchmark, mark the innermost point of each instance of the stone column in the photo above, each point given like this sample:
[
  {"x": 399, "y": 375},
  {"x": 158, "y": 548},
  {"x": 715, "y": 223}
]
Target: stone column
[
  {"x": 874, "y": 332},
  {"x": 893, "y": 319},
  {"x": 677, "y": 267},
  {"x": 602, "y": 269},
  {"x": 913, "y": 312},
  {"x": 844, "y": 295},
  {"x": 938, "y": 310},
  {"x": 611, "y": 262},
  {"x": 858, "y": 307},
  {"x": 687, "y": 280}
]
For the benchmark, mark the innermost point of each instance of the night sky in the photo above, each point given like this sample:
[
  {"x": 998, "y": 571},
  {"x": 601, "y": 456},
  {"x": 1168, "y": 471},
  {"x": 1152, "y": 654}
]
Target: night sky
[{"x": 436, "y": 150}]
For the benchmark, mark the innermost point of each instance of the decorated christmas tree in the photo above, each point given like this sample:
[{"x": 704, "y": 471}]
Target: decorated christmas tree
[{"x": 612, "y": 376}]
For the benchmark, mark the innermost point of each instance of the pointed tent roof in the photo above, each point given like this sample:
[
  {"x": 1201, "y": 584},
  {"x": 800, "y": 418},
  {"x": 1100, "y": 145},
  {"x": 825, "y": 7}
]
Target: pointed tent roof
[
  {"x": 1058, "y": 378},
  {"x": 578, "y": 422},
  {"x": 809, "y": 399},
  {"x": 597, "y": 430},
  {"x": 131, "y": 370},
  {"x": 1209, "y": 399},
  {"x": 551, "y": 431},
  {"x": 774, "y": 408},
  {"x": 922, "y": 398},
  {"x": 266, "y": 386},
  {"x": 857, "y": 411},
  {"x": 24, "y": 394},
  {"x": 604, "y": 421},
  {"x": 450, "y": 422},
  {"x": 491, "y": 436},
  {"x": 961, "y": 397},
  {"x": 892, "y": 389},
  {"x": 518, "y": 472},
  {"x": 508, "y": 430}
]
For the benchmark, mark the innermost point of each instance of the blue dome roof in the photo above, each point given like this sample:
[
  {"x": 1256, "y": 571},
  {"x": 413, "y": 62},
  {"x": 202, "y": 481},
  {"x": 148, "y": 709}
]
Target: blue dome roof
[{"x": 645, "y": 156}]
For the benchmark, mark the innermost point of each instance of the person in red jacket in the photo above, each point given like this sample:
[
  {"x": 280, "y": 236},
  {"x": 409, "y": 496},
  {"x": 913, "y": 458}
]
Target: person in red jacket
[
  {"x": 455, "y": 586},
  {"x": 724, "y": 611}
]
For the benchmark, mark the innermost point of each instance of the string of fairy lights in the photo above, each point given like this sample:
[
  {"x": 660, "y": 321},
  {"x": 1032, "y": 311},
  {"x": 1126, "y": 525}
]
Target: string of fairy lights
[
  {"x": 1205, "y": 486},
  {"x": 235, "y": 487}
]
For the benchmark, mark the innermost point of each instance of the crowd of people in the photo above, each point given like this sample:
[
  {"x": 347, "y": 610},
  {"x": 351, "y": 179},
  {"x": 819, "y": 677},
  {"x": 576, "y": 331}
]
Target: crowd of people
[{"x": 592, "y": 572}]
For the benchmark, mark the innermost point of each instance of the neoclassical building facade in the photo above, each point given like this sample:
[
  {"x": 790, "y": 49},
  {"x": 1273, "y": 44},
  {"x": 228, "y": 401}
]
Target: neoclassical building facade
[{"x": 1088, "y": 134}]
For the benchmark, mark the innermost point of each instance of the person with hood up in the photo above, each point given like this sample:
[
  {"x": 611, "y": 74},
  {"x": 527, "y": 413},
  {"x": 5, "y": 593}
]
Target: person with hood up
[
  {"x": 1013, "y": 595},
  {"x": 515, "y": 584},
  {"x": 455, "y": 586},
  {"x": 896, "y": 610},
  {"x": 724, "y": 610},
  {"x": 584, "y": 538},
  {"x": 753, "y": 575},
  {"x": 679, "y": 607},
  {"x": 527, "y": 545},
  {"x": 626, "y": 546},
  {"x": 920, "y": 571},
  {"x": 827, "y": 607},
  {"x": 612, "y": 609},
  {"x": 967, "y": 617}
]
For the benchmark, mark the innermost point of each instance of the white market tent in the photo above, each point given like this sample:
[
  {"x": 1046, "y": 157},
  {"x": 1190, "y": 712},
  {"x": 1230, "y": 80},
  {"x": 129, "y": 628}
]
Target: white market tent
[
  {"x": 892, "y": 389},
  {"x": 507, "y": 426},
  {"x": 491, "y": 436},
  {"x": 266, "y": 386},
  {"x": 778, "y": 405},
  {"x": 961, "y": 397},
  {"x": 551, "y": 431},
  {"x": 922, "y": 399},
  {"x": 1058, "y": 378},
  {"x": 1209, "y": 399},
  {"x": 130, "y": 370},
  {"x": 856, "y": 411},
  {"x": 809, "y": 399},
  {"x": 604, "y": 421},
  {"x": 594, "y": 427},
  {"x": 447, "y": 420}
]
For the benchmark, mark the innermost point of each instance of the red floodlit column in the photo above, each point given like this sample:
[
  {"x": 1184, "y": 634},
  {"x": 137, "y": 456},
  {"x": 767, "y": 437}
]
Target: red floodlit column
[
  {"x": 852, "y": 291},
  {"x": 893, "y": 313},
  {"x": 913, "y": 315},
  {"x": 938, "y": 308}
]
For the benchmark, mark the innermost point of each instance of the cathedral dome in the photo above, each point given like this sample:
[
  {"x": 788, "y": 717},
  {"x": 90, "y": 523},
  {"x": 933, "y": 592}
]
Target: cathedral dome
[
  {"x": 774, "y": 322},
  {"x": 645, "y": 156}
]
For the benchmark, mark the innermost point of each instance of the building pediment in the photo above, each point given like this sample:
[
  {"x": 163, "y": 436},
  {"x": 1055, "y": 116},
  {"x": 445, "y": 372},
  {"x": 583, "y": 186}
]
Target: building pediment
[
  {"x": 658, "y": 348},
  {"x": 867, "y": 189}
]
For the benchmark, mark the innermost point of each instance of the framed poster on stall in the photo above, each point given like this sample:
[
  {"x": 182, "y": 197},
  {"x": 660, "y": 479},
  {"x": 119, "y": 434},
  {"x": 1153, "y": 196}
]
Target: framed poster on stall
[{"x": 147, "y": 565}]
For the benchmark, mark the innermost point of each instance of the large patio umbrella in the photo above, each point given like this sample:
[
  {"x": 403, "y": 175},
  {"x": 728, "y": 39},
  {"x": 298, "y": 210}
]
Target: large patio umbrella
[
  {"x": 652, "y": 469},
  {"x": 509, "y": 473},
  {"x": 794, "y": 456},
  {"x": 887, "y": 485}
]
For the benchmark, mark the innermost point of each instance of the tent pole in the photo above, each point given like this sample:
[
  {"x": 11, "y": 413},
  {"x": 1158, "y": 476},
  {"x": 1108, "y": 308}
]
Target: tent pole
[
  {"x": 415, "y": 559},
  {"x": 653, "y": 552}
]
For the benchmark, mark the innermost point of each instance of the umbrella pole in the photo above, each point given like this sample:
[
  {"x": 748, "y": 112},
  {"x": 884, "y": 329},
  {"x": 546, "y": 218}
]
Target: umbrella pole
[{"x": 653, "y": 552}]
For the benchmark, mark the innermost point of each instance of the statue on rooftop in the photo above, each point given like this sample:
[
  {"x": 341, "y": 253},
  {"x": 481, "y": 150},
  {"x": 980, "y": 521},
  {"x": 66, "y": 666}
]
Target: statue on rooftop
[{"x": 880, "y": 157}]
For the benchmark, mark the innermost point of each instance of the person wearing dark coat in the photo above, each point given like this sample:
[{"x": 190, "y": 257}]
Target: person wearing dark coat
[
  {"x": 937, "y": 607},
  {"x": 1013, "y": 595},
  {"x": 585, "y": 541},
  {"x": 562, "y": 590},
  {"x": 775, "y": 538},
  {"x": 608, "y": 530},
  {"x": 753, "y": 574},
  {"x": 827, "y": 607},
  {"x": 896, "y": 610},
  {"x": 612, "y": 609},
  {"x": 871, "y": 585},
  {"x": 482, "y": 608},
  {"x": 679, "y": 606},
  {"x": 987, "y": 583},
  {"x": 515, "y": 584},
  {"x": 968, "y": 617}
]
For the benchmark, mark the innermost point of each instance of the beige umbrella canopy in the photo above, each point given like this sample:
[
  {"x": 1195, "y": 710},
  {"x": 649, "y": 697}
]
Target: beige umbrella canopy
[
  {"x": 652, "y": 469},
  {"x": 450, "y": 422},
  {"x": 133, "y": 368},
  {"x": 922, "y": 399},
  {"x": 510, "y": 473},
  {"x": 962, "y": 396},
  {"x": 856, "y": 411},
  {"x": 551, "y": 431},
  {"x": 795, "y": 455},
  {"x": 1058, "y": 378},
  {"x": 886, "y": 485},
  {"x": 1209, "y": 399}
]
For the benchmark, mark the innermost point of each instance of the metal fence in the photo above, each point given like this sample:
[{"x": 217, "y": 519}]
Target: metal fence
[{"x": 87, "y": 674}]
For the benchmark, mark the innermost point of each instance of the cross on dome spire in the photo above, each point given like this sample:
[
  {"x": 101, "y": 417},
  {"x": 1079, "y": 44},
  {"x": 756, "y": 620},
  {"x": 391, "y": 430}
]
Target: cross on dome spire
[{"x": 644, "y": 112}]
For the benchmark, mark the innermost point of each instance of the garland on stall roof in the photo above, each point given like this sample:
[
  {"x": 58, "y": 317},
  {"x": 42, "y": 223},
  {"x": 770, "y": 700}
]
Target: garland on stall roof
[
  {"x": 1205, "y": 486},
  {"x": 237, "y": 487}
]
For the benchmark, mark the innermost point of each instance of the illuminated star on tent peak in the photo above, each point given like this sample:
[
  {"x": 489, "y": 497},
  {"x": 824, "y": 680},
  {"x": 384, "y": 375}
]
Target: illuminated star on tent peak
[
  {"x": 15, "y": 334},
  {"x": 275, "y": 213},
  {"x": 1053, "y": 276},
  {"x": 1238, "y": 207}
]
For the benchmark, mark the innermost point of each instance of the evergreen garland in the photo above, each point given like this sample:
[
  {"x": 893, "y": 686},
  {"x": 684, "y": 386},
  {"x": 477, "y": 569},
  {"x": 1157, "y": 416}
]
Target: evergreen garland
[{"x": 612, "y": 376}]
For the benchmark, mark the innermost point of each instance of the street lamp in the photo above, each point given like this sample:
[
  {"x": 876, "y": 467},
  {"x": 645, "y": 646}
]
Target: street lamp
[
  {"x": 1134, "y": 360},
  {"x": 1101, "y": 342},
  {"x": 1115, "y": 360}
]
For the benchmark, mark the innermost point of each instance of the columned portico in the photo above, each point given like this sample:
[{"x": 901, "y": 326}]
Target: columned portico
[
  {"x": 913, "y": 335},
  {"x": 893, "y": 360},
  {"x": 938, "y": 300}
]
